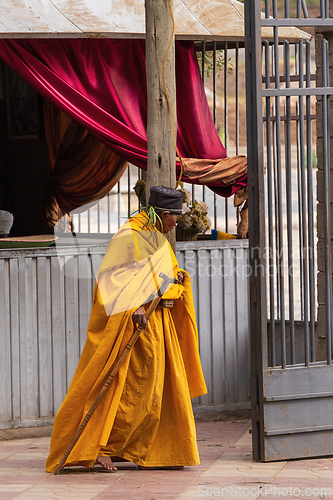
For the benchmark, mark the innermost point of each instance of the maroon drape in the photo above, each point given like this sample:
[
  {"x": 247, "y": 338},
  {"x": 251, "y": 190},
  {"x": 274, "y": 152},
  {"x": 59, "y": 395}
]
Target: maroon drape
[{"x": 102, "y": 84}]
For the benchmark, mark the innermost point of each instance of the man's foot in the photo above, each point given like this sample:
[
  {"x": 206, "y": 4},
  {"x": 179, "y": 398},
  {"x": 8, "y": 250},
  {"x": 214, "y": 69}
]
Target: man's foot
[
  {"x": 167, "y": 467},
  {"x": 106, "y": 462}
]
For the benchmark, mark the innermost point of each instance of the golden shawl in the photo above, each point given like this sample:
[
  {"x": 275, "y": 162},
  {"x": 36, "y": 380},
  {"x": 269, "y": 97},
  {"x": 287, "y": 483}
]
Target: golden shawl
[{"x": 146, "y": 415}]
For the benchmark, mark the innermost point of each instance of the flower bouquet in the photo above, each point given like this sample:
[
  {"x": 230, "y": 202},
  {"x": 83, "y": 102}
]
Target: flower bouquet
[{"x": 194, "y": 219}]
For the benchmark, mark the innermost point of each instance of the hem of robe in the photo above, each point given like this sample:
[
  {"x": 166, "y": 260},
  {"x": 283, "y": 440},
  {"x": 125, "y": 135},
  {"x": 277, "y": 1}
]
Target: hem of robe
[
  {"x": 130, "y": 458},
  {"x": 149, "y": 463}
]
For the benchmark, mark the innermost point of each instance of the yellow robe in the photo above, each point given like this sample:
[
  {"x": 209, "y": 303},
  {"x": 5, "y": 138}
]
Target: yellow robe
[{"x": 146, "y": 415}]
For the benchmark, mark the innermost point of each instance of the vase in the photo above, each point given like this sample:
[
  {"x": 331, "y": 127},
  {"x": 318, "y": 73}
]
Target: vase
[{"x": 186, "y": 235}]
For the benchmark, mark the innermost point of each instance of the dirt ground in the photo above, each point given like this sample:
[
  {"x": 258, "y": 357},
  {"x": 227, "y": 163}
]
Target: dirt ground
[
  {"x": 25, "y": 433},
  {"x": 237, "y": 416}
]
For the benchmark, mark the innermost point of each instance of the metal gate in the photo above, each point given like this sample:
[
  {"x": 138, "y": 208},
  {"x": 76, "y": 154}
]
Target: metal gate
[{"x": 288, "y": 133}]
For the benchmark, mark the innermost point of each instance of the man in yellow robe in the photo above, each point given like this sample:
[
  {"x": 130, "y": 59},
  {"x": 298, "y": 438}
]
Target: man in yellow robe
[{"x": 146, "y": 415}]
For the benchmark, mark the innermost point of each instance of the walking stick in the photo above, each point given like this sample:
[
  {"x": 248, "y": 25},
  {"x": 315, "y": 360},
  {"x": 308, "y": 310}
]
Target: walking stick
[{"x": 134, "y": 338}]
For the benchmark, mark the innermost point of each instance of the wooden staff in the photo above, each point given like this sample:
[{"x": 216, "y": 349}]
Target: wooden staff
[{"x": 114, "y": 372}]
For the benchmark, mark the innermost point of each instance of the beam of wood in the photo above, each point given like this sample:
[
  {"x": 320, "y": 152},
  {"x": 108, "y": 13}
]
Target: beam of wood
[{"x": 161, "y": 96}]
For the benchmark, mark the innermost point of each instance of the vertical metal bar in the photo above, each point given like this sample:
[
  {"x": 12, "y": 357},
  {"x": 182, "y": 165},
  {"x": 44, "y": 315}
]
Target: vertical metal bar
[
  {"x": 226, "y": 96},
  {"x": 237, "y": 95},
  {"x": 266, "y": 8},
  {"x": 257, "y": 239},
  {"x": 118, "y": 203},
  {"x": 280, "y": 208},
  {"x": 329, "y": 102},
  {"x": 79, "y": 224},
  {"x": 304, "y": 210},
  {"x": 324, "y": 9},
  {"x": 304, "y": 8},
  {"x": 215, "y": 211},
  {"x": 286, "y": 9},
  {"x": 88, "y": 220},
  {"x": 98, "y": 217},
  {"x": 203, "y": 56},
  {"x": 276, "y": 214},
  {"x": 300, "y": 213},
  {"x": 311, "y": 243},
  {"x": 140, "y": 176},
  {"x": 109, "y": 210},
  {"x": 215, "y": 119},
  {"x": 299, "y": 192},
  {"x": 203, "y": 69},
  {"x": 289, "y": 206},
  {"x": 327, "y": 203},
  {"x": 129, "y": 190},
  {"x": 226, "y": 122},
  {"x": 203, "y": 61},
  {"x": 299, "y": 9},
  {"x": 275, "y": 12},
  {"x": 214, "y": 83},
  {"x": 270, "y": 211}
]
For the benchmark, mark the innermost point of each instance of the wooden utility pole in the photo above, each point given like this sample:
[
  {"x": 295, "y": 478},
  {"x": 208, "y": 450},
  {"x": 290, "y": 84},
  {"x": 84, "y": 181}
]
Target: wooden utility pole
[{"x": 161, "y": 96}]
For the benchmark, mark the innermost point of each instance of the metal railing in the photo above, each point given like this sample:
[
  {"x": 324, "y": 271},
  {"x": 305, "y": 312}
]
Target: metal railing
[
  {"x": 296, "y": 94},
  {"x": 290, "y": 188},
  {"x": 222, "y": 70}
]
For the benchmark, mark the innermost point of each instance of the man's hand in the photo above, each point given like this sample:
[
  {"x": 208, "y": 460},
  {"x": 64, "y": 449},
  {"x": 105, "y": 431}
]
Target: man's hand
[
  {"x": 139, "y": 317},
  {"x": 180, "y": 277}
]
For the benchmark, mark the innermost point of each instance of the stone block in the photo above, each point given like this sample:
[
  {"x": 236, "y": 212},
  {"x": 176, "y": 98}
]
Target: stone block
[
  {"x": 321, "y": 322},
  {"x": 318, "y": 43},
  {"x": 321, "y": 253},
  {"x": 321, "y": 288},
  {"x": 320, "y": 185},
  {"x": 321, "y": 220},
  {"x": 321, "y": 349}
]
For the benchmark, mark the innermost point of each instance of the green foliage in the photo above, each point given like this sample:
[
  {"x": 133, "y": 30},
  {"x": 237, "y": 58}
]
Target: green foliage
[
  {"x": 209, "y": 63},
  {"x": 314, "y": 159},
  {"x": 221, "y": 132},
  {"x": 140, "y": 191}
]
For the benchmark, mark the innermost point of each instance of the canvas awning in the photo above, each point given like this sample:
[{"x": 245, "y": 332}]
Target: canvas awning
[{"x": 220, "y": 20}]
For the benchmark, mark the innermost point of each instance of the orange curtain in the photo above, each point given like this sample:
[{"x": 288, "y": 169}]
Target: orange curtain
[
  {"x": 83, "y": 168},
  {"x": 225, "y": 171}
]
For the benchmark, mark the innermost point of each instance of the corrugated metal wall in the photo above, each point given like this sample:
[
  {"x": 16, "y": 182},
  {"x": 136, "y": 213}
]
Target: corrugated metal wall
[
  {"x": 220, "y": 288},
  {"x": 45, "y": 302}
]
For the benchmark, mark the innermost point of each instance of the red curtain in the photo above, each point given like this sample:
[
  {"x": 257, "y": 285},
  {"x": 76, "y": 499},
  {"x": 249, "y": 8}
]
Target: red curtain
[{"x": 101, "y": 83}]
